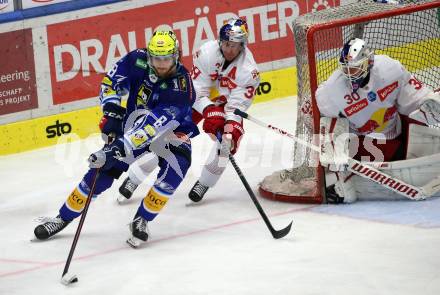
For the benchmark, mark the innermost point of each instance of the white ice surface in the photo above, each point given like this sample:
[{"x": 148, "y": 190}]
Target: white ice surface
[{"x": 220, "y": 246}]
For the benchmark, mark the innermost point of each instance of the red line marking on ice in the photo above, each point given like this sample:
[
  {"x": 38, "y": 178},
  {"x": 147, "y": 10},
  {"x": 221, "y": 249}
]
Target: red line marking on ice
[
  {"x": 50, "y": 264},
  {"x": 21, "y": 261}
]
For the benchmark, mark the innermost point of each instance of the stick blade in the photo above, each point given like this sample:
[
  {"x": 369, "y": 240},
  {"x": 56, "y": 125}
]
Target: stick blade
[
  {"x": 134, "y": 242},
  {"x": 278, "y": 234},
  {"x": 68, "y": 279}
]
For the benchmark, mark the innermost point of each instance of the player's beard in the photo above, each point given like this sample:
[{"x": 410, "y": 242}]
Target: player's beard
[
  {"x": 230, "y": 57},
  {"x": 165, "y": 73}
]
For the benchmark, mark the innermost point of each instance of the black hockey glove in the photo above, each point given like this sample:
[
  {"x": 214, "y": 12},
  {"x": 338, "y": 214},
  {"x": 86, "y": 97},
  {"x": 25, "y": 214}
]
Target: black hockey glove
[
  {"x": 111, "y": 121},
  {"x": 106, "y": 157}
]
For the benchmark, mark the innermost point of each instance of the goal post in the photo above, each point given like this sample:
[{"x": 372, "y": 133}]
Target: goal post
[{"x": 408, "y": 32}]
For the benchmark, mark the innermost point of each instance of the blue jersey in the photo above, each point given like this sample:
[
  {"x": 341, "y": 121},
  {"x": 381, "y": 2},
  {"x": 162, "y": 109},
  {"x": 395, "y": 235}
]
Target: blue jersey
[
  {"x": 155, "y": 107},
  {"x": 165, "y": 99}
]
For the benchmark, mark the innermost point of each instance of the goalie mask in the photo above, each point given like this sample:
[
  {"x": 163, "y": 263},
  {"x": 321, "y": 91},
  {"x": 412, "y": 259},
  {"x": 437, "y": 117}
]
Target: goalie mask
[
  {"x": 356, "y": 61},
  {"x": 163, "y": 52}
]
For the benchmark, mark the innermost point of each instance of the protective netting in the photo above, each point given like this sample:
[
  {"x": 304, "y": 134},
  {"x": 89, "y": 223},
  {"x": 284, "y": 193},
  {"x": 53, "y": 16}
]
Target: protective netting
[{"x": 409, "y": 32}]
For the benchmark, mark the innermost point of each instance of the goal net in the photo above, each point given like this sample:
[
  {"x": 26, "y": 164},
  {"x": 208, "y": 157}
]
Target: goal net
[{"x": 408, "y": 32}]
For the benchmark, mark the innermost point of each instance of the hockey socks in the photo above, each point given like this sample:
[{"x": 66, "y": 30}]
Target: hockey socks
[
  {"x": 153, "y": 202},
  {"x": 150, "y": 206},
  {"x": 76, "y": 201}
]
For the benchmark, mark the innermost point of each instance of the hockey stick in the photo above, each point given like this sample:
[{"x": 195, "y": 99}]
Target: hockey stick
[
  {"x": 366, "y": 171},
  {"x": 67, "y": 278},
  {"x": 277, "y": 234}
]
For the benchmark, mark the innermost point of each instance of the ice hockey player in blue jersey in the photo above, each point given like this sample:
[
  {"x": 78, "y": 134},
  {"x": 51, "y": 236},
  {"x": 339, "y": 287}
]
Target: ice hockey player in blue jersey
[{"x": 156, "y": 125}]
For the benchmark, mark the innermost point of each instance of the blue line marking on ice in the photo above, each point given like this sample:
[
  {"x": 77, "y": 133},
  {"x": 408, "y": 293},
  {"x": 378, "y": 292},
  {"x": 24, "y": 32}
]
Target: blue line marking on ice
[{"x": 425, "y": 214}]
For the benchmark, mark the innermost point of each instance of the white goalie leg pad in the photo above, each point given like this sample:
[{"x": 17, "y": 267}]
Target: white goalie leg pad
[
  {"x": 334, "y": 135},
  {"x": 422, "y": 141},
  {"x": 143, "y": 167},
  {"x": 215, "y": 164},
  {"x": 418, "y": 172},
  {"x": 344, "y": 185}
]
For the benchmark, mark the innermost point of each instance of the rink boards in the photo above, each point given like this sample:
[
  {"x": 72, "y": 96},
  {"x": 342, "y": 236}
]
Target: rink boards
[{"x": 63, "y": 127}]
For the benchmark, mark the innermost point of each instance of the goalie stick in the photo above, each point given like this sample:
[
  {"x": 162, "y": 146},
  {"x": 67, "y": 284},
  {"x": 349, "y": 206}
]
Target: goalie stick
[
  {"x": 367, "y": 171},
  {"x": 276, "y": 234},
  {"x": 66, "y": 278}
]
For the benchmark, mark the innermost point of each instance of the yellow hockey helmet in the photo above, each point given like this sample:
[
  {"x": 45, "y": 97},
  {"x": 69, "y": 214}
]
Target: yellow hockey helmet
[{"x": 164, "y": 44}]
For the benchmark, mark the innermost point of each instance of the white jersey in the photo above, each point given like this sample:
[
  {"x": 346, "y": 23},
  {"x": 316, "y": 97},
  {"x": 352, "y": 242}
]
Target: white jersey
[
  {"x": 373, "y": 109},
  {"x": 237, "y": 82}
]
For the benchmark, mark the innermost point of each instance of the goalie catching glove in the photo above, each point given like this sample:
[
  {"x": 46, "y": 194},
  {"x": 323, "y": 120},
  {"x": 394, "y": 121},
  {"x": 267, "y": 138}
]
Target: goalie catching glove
[{"x": 429, "y": 111}]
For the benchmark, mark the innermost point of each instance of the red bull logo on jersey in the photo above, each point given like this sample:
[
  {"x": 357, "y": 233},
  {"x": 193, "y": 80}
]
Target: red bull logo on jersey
[
  {"x": 354, "y": 108},
  {"x": 387, "y": 90},
  {"x": 368, "y": 127},
  {"x": 378, "y": 121},
  {"x": 390, "y": 113}
]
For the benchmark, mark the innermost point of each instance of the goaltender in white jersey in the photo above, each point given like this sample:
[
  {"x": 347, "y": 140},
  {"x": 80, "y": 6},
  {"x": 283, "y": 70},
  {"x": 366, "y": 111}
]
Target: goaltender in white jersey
[
  {"x": 370, "y": 95},
  {"x": 373, "y": 109}
]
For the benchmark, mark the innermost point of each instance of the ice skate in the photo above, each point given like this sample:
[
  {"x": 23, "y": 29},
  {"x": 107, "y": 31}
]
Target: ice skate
[
  {"x": 49, "y": 227},
  {"x": 197, "y": 192},
  {"x": 139, "y": 230},
  {"x": 126, "y": 190}
]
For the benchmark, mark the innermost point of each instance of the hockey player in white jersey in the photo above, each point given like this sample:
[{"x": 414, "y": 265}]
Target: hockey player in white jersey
[
  {"x": 370, "y": 94},
  {"x": 228, "y": 66}
]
